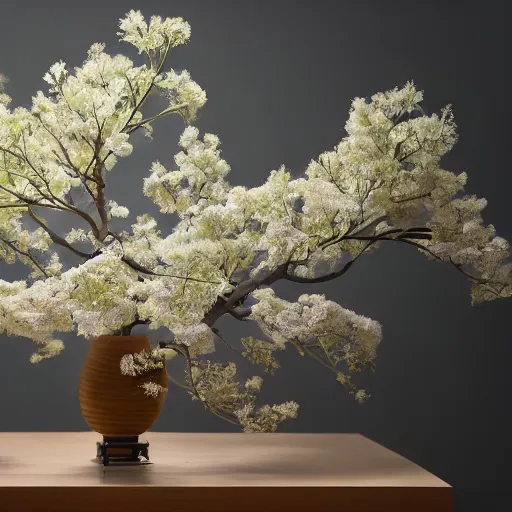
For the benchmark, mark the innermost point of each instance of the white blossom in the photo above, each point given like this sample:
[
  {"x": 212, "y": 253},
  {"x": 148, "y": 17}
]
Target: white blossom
[
  {"x": 118, "y": 144},
  {"x": 56, "y": 75},
  {"x": 254, "y": 383},
  {"x": 313, "y": 317},
  {"x": 142, "y": 362},
  {"x": 116, "y": 210},
  {"x": 135, "y": 30},
  {"x": 180, "y": 89},
  {"x": 153, "y": 389},
  {"x": 188, "y": 137},
  {"x": 76, "y": 235},
  {"x": 199, "y": 338}
]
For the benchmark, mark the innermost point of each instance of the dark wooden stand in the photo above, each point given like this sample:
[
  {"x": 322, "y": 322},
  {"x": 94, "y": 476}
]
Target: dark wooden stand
[{"x": 119, "y": 450}]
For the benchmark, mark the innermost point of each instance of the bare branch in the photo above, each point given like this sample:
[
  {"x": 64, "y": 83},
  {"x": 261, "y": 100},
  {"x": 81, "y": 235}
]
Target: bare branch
[
  {"x": 413, "y": 198},
  {"x": 217, "y": 333},
  {"x": 139, "y": 268},
  {"x": 240, "y": 313},
  {"x": 57, "y": 239},
  {"x": 26, "y": 205},
  {"x": 223, "y": 306},
  {"x": 406, "y": 238},
  {"x": 13, "y": 247},
  {"x": 132, "y": 127},
  {"x": 332, "y": 275}
]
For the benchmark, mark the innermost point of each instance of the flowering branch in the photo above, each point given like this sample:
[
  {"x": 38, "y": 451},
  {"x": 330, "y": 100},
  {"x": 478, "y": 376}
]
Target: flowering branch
[{"x": 231, "y": 244}]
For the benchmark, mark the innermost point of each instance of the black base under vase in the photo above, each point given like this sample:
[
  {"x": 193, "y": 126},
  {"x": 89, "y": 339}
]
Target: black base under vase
[{"x": 122, "y": 450}]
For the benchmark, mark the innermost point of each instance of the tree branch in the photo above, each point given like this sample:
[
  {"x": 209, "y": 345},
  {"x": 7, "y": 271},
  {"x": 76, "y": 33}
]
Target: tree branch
[
  {"x": 196, "y": 392},
  {"x": 217, "y": 333},
  {"x": 26, "y": 205},
  {"x": 223, "y": 306},
  {"x": 332, "y": 275},
  {"x": 26, "y": 254},
  {"x": 99, "y": 199},
  {"x": 55, "y": 238},
  {"x": 143, "y": 270},
  {"x": 240, "y": 314},
  {"x": 132, "y": 127},
  {"x": 419, "y": 235},
  {"x": 146, "y": 94}
]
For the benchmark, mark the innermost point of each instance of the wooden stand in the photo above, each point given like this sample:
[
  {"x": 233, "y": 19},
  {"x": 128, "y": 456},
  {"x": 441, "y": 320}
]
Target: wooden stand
[{"x": 119, "y": 450}]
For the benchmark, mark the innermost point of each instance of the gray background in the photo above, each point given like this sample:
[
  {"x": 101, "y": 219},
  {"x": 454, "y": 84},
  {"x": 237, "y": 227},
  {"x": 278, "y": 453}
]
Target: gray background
[{"x": 279, "y": 77}]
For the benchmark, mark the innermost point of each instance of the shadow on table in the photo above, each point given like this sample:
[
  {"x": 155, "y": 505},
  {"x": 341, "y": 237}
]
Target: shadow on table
[{"x": 9, "y": 463}]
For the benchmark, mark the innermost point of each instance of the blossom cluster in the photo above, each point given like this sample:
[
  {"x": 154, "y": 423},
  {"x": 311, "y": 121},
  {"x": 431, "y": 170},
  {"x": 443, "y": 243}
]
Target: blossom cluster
[{"x": 216, "y": 386}]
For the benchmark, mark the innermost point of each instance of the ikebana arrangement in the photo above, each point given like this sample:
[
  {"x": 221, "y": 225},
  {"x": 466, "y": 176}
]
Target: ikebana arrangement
[{"x": 383, "y": 183}]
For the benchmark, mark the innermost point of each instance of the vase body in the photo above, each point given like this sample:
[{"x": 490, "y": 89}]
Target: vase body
[{"x": 114, "y": 404}]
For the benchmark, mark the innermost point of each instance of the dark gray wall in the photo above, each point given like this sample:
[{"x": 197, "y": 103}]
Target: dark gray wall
[{"x": 279, "y": 78}]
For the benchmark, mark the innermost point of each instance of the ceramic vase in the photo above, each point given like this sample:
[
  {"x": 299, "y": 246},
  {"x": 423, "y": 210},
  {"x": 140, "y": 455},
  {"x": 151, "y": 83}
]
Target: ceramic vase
[{"x": 114, "y": 404}]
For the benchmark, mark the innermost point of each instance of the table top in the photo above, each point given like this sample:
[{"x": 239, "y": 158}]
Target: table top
[{"x": 206, "y": 464}]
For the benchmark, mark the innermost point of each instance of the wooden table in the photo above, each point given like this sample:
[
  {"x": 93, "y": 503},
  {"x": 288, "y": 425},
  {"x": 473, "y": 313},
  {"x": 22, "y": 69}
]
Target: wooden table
[{"x": 54, "y": 471}]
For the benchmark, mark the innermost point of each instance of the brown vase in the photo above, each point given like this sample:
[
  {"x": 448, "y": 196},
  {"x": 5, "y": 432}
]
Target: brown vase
[{"x": 114, "y": 404}]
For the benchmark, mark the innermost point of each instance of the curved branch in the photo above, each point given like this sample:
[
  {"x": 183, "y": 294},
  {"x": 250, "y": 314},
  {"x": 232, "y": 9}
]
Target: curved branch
[
  {"x": 55, "y": 238},
  {"x": 21, "y": 197},
  {"x": 178, "y": 383},
  {"x": 26, "y": 254},
  {"x": 196, "y": 392},
  {"x": 27, "y": 205},
  {"x": 217, "y": 333},
  {"x": 332, "y": 275},
  {"x": 223, "y": 306},
  {"x": 240, "y": 313},
  {"x": 35, "y": 185},
  {"x": 132, "y": 127},
  {"x": 426, "y": 249},
  {"x": 143, "y": 270}
]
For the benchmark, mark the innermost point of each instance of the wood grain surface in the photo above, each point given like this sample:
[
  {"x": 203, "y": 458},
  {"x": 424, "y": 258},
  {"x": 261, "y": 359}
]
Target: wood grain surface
[{"x": 53, "y": 471}]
